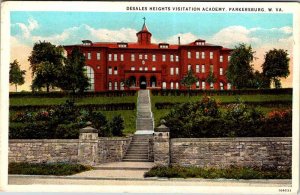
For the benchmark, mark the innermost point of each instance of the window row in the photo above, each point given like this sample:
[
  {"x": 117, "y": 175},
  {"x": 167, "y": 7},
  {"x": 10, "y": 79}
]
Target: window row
[
  {"x": 175, "y": 85},
  {"x": 89, "y": 55},
  {"x": 115, "y": 85},
  {"x": 211, "y": 69},
  {"x": 172, "y": 58},
  {"x": 132, "y": 68},
  {"x": 211, "y": 55}
]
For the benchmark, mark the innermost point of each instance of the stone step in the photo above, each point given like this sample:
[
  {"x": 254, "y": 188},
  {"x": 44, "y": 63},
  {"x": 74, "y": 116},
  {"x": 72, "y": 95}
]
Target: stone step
[
  {"x": 136, "y": 160},
  {"x": 136, "y": 156}
]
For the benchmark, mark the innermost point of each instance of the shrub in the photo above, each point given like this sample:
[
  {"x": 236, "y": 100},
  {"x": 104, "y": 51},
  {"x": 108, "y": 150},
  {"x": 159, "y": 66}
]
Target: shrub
[
  {"x": 68, "y": 131},
  {"x": 23, "y": 117},
  {"x": 46, "y": 169},
  {"x": 117, "y": 125},
  {"x": 213, "y": 173},
  {"x": 100, "y": 122}
]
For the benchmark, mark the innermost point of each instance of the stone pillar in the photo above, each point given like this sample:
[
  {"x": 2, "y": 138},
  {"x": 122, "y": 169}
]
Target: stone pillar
[
  {"x": 161, "y": 145},
  {"x": 88, "y": 146}
]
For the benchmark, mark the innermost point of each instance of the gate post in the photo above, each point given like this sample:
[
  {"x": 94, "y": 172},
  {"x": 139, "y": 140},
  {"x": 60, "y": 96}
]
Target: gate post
[
  {"x": 161, "y": 146},
  {"x": 88, "y": 146}
]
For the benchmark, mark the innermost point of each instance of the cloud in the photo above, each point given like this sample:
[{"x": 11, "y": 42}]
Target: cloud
[
  {"x": 27, "y": 29},
  {"x": 184, "y": 38}
]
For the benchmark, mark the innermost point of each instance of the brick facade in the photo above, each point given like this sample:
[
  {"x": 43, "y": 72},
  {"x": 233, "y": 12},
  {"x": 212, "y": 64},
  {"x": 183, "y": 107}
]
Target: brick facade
[{"x": 153, "y": 66}]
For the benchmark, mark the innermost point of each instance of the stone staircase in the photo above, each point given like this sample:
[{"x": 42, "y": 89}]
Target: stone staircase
[{"x": 138, "y": 149}]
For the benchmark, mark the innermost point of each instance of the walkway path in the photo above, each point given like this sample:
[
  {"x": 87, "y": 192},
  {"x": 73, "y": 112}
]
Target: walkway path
[{"x": 144, "y": 121}]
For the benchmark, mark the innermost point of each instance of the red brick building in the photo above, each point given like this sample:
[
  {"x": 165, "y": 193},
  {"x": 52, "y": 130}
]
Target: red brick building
[{"x": 153, "y": 66}]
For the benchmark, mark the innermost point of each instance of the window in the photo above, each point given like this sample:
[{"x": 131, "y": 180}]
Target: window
[
  {"x": 153, "y": 58},
  {"x": 132, "y": 57},
  {"x": 122, "y": 57},
  {"x": 109, "y": 85},
  {"x": 132, "y": 68},
  {"x": 197, "y": 55},
  {"x": 140, "y": 56},
  {"x": 164, "y": 85},
  {"x": 203, "y": 85},
  {"x": 203, "y": 68},
  {"x": 172, "y": 71},
  {"x": 203, "y": 55},
  {"x": 146, "y": 57},
  {"x": 221, "y": 71},
  {"x": 177, "y": 71},
  {"x": 98, "y": 56},
  {"x": 211, "y": 85},
  {"x": 146, "y": 68},
  {"x": 197, "y": 68},
  {"x": 172, "y": 85},
  {"x": 109, "y": 70},
  {"x": 211, "y": 55},
  {"x": 221, "y": 58},
  {"x": 172, "y": 58},
  {"x": 89, "y": 56},
  {"x": 221, "y": 86},
  {"x": 163, "y": 46},
  {"x": 122, "y": 45},
  {"x": 163, "y": 57},
  {"x": 177, "y": 85},
  {"x": 109, "y": 57},
  {"x": 153, "y": 68},
  {"x": 229, "y": 58},
  {"x": 177, "y": 58},
  {"x": 228, "y": 86},
  {"x": 115, "y": 57},
  {"x": 115, "y": 70},
  {"x": 116, "y": 85},
  {"x": 211, "y": 68},
  {"x": 91, "y": 78},
  {"x": 141, "y": 69},
  {"x": 189, "y": 67},
  {"x": 121, "y": 86},
  {"x": 197, "y": 85},
  {"x": 189, "y": 55}
]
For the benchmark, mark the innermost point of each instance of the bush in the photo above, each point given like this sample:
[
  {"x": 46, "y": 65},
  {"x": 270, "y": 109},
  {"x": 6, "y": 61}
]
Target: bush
[
  {"x": 117, "y": 125},
  {"x": 46, "y": 169},
  {"x": 213, "y": 173},
  {"x": 203, "y": 119}
]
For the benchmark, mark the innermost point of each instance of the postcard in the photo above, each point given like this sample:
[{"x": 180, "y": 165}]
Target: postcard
[{"x": 188, "y": 97}]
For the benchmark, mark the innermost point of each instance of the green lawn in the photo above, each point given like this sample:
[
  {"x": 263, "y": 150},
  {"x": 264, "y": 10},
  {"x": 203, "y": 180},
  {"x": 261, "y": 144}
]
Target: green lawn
[{"x": 85, "y": 100}]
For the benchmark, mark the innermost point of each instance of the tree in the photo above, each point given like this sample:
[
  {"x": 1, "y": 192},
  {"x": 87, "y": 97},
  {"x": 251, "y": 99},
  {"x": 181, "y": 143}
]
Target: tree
[
  {"x": 276, "y": 66},
  {"x": 259, "y": 81},
  {"x": 72, "y": 76},
  {"x": 211, "y": 78},
  {"x": 240, "y": 70},
  {"x": 46, "y": 62},
  {"x": 45, "y": 52},
  {"x": 46, "y": 75},
  {"x": 189, "y": 79},
  {"x": 128, "y": 82},
  {"x": 16, "y": 75}
]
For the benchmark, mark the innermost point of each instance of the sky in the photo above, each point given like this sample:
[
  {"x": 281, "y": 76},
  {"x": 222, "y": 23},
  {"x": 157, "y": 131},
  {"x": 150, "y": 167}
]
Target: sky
[{"x": 262, "y": 31}]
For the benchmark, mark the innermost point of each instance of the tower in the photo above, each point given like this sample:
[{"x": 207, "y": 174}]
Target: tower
[{"x": 144, "y": 36}]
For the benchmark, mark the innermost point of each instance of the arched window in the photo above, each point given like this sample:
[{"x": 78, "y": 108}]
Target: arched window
[
  {"x": 122, "y": 86},
  {"x": 228, "y": 86},
  {"x": 109, "y": 85},
  {"x": 116, "y": 85},
  {"x": 164, "y": 85},
  {"x": 91, "y": 77},
  {"x": 221, "y": 86},
  {"x": 172, "y": 85}
]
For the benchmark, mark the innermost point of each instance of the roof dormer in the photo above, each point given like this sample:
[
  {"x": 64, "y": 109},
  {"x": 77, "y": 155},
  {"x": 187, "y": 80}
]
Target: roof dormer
[
  {"x": 163, "y": 45},
  {"x": 87, "y": 42},
  {"x": 122, "y": 45},
  {"x": 199, "y": 42}
]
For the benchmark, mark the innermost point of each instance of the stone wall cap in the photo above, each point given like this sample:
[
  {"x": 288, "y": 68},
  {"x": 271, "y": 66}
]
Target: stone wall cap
[
  {"x": 162, "y": 128},
  {"x": 88, "y": 129}
]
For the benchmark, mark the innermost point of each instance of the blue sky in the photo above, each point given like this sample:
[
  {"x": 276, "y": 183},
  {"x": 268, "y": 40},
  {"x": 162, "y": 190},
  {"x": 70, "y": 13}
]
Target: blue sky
[
  {"x": 162, "y": 25},
  {"x": 262, "y": 31}
]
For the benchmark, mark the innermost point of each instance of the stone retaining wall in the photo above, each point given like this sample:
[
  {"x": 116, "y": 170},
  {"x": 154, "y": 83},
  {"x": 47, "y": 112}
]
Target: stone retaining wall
[
  {"x": 65, "y": 150},
  {"x": 112, "y": 149},
  {"x": 43, "y": 150},
  {"x": 262, "y": 152}
]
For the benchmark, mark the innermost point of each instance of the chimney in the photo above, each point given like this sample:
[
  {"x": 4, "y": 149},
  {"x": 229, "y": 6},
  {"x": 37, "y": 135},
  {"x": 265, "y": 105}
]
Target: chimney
[{"x": 178, "y": 40}]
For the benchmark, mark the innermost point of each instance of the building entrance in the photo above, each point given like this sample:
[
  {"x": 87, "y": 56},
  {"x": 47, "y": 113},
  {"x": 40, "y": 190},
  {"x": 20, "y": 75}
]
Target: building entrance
[{"x": 143, "y": 82}]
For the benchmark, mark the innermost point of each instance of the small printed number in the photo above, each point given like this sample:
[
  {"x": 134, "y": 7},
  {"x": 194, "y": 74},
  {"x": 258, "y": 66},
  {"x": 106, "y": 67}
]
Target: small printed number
[{"x": 285, "y": 190}]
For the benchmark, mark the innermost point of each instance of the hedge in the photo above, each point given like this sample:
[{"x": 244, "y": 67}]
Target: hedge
[
  {"x": 168, "y": 92},
  {"x": 58, "y": 94},
  {"x": 102, "y": 107},
  {"x": 169, "y": 105}
]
